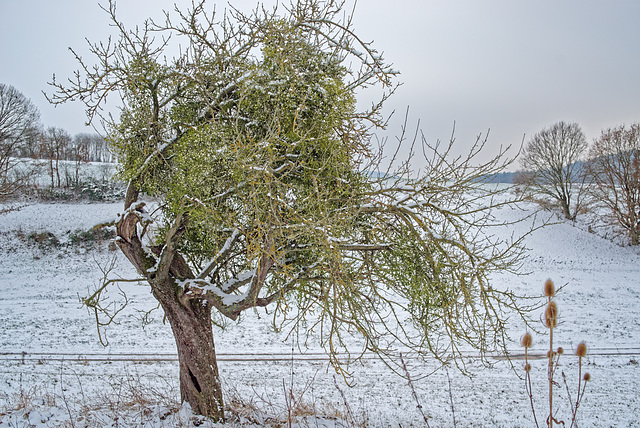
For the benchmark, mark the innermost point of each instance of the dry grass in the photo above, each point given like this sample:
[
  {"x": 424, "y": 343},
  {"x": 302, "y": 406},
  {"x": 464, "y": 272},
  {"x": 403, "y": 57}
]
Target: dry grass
[{"x": 129, "y": 401}]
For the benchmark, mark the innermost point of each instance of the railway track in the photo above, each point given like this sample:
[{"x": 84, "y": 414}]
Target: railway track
[{"x": 85, "y": 358}]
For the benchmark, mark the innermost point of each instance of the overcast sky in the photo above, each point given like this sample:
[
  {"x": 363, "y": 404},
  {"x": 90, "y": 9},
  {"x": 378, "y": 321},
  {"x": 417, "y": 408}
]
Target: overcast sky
[{"x": 511, "y": 66}]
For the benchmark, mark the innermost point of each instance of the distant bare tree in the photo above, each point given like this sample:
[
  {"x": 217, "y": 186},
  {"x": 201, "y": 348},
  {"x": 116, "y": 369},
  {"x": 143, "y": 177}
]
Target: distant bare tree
[
  {"x": 614, "y": 168},
  {"x": 552, "y": 169},
  {"x": 30, "y": 145},
  {"x": 18, "y": 119},
  {"x": 55, "y": 143},
  {"x": 96, "y": 145},
  {"x": 78, "y": 153}
]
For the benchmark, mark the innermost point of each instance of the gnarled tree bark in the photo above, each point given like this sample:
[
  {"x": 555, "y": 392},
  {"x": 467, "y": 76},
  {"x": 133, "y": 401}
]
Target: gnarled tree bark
[
  {"x": 189, "y": 317},
  {"x": 191, "y": 324}
]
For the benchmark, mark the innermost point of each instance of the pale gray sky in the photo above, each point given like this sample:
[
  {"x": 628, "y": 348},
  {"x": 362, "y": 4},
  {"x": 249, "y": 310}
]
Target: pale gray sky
[{"x": 508, "y": 65}]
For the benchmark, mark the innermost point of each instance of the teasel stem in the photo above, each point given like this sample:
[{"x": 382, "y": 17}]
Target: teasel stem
[
  {"x": 581, "y": 352},
  {"x": 527, "y": 341},
  {"x": 551, "y": 377},
  {"x": 551, "y": 319}
]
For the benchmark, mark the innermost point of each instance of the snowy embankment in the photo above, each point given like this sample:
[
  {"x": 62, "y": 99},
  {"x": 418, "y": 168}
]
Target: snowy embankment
[{"x": 53, "y": 367}]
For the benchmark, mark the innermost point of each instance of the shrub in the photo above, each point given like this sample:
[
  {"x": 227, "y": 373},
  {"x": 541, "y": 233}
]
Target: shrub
[
  {"x": 44, "y": 240},
  {"x": 92, "y": 237}
]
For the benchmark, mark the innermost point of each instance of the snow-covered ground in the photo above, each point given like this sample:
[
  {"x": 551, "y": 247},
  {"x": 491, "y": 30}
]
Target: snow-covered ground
[{"x": 55, "y": 373}]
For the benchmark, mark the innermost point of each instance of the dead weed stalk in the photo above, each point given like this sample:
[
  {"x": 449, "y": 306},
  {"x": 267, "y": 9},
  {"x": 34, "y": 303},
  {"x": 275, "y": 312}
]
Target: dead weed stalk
[{"x": 550, "y": 321}]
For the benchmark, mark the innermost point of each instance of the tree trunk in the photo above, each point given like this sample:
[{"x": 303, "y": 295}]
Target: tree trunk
[
  {"x": 190, "y": 319},
  {"x": 53, "y": 184},
  {"x": 567, "y": 211},
  {"x": 58, "y": 170},
  {"x": 191, "y": 324}
]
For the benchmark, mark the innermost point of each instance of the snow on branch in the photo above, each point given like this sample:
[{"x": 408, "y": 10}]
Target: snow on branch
[{"x": 221, "y": 255}]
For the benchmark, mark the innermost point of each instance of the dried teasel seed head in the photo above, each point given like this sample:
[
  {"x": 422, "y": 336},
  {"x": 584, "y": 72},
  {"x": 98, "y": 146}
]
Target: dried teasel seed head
[
  {"x": 527, "y": 367},
  {"x": 551, "y": 315},
  {"x": 587, "y": 377},
  {"x": 549, "y": 288},
  {"x": 560, "y": 350},
  {"x": 552, "y": 309},
  {"x": 527, "y": 340},
  {"x": 550, "y": 354},
  {"x": 581, "y": 351}
]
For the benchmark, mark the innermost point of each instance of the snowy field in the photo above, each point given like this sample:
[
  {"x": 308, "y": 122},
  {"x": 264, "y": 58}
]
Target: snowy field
[{"x": 54, "y": 372}]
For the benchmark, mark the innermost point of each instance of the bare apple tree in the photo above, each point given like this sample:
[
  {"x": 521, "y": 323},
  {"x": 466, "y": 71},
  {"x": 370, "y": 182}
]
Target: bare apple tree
[{"x": 271, "y": 193}]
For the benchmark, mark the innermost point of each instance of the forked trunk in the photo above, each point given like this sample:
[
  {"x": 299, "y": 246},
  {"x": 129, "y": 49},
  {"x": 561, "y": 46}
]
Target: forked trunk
[
  {"x": 190, "y": 320},
  {"x": 199, "y": 381},
  {"x": 566, "y": 210}
]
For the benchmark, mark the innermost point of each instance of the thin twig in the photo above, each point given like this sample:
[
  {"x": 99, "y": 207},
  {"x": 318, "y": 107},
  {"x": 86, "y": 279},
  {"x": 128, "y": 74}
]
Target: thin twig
[
  {"x": 344, "y": 400},
  {"x": 64, "y": 398},
  {"x": 413, "y": 392},
  {"x": 453, "y": 410}
]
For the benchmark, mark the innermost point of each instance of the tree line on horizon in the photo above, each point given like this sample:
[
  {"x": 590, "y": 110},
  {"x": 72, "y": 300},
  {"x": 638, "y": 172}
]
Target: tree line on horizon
[{"x": 22, "y": 135}]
